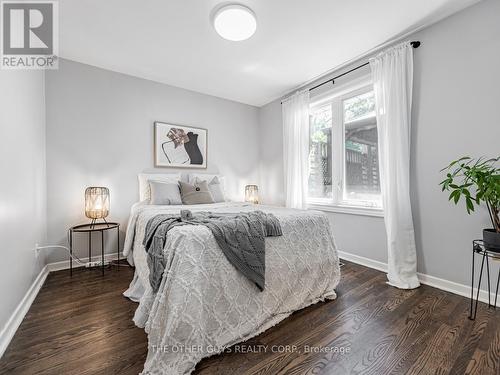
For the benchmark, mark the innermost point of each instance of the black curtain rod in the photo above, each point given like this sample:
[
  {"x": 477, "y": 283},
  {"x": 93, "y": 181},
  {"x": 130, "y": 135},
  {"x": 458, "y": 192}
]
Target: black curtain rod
[{"x": 414, "y": 44}]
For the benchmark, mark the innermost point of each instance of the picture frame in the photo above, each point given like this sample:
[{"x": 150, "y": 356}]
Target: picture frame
[{"x": 180, "y": 146}]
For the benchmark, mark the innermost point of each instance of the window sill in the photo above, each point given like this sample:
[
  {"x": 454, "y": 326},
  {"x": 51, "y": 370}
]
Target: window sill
[{"x": 351, "y": 210}]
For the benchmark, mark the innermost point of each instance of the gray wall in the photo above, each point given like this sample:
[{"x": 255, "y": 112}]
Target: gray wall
[
  {"x": 22, "y": 187},
  {"x": 455, "y": 113},
  {"x": 271, "y": 189},
  {"x": 100, "y": 132}
]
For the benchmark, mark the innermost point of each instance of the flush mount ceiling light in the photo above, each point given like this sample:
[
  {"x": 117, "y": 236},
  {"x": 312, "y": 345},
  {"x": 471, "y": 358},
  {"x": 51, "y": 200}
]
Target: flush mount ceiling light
[{"x": 235, "y": 22}]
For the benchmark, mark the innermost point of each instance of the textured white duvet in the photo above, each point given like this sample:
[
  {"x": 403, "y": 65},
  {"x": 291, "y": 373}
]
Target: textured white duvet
[{"x": 204, "y": 304}]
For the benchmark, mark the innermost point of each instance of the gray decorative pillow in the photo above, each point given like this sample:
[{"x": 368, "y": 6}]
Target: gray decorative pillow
[
  {"x": 198, "y": 193},
  {"x": 215, "y": 188},
  {"x": 164, "y": 193}
]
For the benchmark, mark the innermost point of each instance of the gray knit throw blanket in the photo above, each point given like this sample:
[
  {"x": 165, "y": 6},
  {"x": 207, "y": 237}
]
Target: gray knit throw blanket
[{"x": 240, "y": 236}]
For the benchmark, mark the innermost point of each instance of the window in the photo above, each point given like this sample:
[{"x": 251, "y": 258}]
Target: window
[{"x": 343, "y": 152}]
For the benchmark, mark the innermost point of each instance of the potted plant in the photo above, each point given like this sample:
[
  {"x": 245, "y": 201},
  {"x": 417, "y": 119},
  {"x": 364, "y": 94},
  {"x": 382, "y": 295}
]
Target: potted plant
[{"x": 477, "y": 181}]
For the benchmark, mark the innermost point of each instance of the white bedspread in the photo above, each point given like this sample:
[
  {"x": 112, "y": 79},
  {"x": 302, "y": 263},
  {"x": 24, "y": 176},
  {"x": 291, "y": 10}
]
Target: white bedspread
[{"x": 204, "y": 304}]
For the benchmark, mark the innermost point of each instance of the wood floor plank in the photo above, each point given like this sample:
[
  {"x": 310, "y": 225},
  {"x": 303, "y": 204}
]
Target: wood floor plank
[
  {"x": 341, "y": 334},
  {"x": 320, "y": 318},
  {"x": 83, "y": 325},
  {"x": 394, "y": 340},
  {"x": 366, "y": 331},
  {"x": 471, "y": 335}
]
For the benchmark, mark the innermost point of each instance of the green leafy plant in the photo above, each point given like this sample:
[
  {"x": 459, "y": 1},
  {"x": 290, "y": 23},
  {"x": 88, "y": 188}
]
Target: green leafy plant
[
  {"x": 477, "y": 181},
  {"x": 319, "y": 137}
]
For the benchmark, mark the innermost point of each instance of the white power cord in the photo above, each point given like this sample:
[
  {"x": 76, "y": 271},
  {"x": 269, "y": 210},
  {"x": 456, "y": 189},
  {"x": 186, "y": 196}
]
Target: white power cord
[{"x": 75, "y": 258}]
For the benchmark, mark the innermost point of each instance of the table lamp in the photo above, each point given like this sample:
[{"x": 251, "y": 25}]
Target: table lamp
[
  {"x": 252, "y": 194},
  {"x": 96, "y": 203}
]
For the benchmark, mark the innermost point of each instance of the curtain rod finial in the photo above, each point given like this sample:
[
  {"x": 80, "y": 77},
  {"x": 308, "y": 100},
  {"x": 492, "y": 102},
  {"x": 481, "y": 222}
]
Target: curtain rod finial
[{"x": 415, "y": 44}]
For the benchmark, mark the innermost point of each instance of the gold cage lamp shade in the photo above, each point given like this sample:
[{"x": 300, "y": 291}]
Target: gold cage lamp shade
[
  {"x": 96, "y": 203},
  {"x": 252, "y": 194}
]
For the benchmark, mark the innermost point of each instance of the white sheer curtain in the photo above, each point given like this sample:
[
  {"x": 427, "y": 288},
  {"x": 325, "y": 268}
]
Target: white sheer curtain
[
  {"x": 392, "y": 73},
  {"x": 296, "y": 148}
]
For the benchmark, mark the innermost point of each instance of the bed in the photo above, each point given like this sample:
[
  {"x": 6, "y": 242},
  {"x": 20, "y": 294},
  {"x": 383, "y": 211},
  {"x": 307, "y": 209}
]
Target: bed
[{"x": 204, "y": 304}]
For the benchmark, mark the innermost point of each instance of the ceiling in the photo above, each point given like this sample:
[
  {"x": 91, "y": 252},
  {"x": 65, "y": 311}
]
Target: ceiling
[{"x": 173, "y": 41}]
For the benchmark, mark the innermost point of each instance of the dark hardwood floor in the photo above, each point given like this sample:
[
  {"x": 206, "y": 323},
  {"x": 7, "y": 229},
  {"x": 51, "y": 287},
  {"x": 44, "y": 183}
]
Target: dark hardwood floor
[{"x": 82, "y": 325}]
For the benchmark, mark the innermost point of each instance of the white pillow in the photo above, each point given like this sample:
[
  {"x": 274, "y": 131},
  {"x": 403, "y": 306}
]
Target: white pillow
[
  {"x": 208, "y": 177},
  {"x": 144, "y": 178},
  {"x": 164, "y": 193},
  {"x": 215, "y": 188}
]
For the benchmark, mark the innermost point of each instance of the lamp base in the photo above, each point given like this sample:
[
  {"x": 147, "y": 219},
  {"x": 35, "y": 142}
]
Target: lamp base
[{"x": 93, "y": 222}]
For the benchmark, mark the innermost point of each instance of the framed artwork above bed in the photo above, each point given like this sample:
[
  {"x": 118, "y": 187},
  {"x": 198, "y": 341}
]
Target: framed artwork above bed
[{"x": 180, "y": 146}]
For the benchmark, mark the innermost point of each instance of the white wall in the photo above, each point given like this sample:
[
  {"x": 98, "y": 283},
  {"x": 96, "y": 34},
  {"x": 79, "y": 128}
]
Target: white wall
[
  {"x": 22, "y": 187},
  {"x": 100, "y": 132},
  {"x": 455, "y": 113}
]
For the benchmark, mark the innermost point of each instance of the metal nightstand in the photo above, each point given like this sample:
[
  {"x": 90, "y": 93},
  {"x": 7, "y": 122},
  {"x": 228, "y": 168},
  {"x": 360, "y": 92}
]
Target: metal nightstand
[{"x": 91, "y": 228}]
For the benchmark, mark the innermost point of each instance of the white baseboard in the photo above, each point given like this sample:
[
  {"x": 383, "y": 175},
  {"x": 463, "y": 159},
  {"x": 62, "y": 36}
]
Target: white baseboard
[
  {"x": 375, "y": 264},
  {"x": 436, "y": 282},
  {"x": 22, "y": 308}
]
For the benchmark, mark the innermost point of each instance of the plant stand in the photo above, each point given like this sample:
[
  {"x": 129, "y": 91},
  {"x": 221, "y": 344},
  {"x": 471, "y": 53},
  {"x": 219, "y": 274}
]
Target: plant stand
[{"x": 479, "y": 248}]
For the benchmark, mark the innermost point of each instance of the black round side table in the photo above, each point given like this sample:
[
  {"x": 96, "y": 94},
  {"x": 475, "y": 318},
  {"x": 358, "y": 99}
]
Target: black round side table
[
  {"x": 91, "y": 228},
  {"x": 479, "y": 248}
]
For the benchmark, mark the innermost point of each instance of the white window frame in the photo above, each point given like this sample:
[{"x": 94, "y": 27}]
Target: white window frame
[{"x": 335, "y": 98}]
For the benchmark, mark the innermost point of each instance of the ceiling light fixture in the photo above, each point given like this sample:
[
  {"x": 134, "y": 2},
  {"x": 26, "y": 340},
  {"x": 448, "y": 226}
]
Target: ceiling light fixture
[{"x": 235, "y": 22}]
